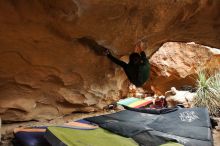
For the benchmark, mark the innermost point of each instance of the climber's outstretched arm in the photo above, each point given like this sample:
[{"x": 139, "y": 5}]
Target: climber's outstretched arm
[
  {"x": 114, "y": 59},
  {"x": 144, "y": 57}
]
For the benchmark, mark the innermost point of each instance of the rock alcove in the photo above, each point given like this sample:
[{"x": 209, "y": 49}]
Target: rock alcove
[{"x": 45, "y": 72}]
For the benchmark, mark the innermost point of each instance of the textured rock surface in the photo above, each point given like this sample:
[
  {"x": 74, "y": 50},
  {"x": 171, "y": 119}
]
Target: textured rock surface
[
  {"x": 45, "y": 72},
  {"x": 176, "y": 64}
]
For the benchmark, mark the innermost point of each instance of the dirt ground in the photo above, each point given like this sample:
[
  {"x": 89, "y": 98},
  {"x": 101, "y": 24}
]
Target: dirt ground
[{"x": 7, "y": 129}]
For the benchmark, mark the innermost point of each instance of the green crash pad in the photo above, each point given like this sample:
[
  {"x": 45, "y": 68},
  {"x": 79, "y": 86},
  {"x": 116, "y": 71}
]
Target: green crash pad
[
  {"x": 171, "y": 144},
  {"x": 96, "y": 137}
]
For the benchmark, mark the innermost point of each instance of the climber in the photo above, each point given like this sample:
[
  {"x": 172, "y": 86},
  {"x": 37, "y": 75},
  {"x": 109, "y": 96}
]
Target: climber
[{"x": 138, "y": 67}]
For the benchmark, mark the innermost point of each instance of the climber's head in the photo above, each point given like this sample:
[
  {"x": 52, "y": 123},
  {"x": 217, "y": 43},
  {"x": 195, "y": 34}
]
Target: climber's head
[{"x": 134, "y": 58}]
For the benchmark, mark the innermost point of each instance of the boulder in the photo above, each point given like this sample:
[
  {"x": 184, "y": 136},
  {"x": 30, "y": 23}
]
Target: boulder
[{"x": 176, "y": 64}]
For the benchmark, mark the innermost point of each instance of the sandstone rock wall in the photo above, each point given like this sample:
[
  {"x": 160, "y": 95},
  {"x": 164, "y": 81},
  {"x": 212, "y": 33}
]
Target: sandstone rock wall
[
  {"x": 176, "y": 65},
  {"x": 45, "y": 72},
  {"x": 43, "y": 84}
]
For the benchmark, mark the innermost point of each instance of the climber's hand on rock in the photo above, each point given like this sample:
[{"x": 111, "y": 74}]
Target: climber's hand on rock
[{"x": 107, "y": 52}]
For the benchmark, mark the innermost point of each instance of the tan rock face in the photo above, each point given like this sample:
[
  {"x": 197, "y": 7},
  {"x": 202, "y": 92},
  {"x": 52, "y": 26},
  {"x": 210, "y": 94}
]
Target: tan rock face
[
  {"x": 176, "y": 65},
  {"x": 45, "y": 72},
  {"x": 34, "y": 85}
]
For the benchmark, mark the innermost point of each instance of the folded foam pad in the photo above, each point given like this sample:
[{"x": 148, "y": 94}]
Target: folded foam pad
[
  {"x": 84, "y": 121},
  {"x": 134, "y": 102},
  {"x": 58, "y": 136},
  {"x": 190, "y": 127},
  {"x": 79, "y": 125},
  {"x": 29, "y": 129},
  {"x": 34, "y": 136},
  {"x": 127, "y": 101},
  {"x": 140, "y": 103},
  {"x": 30, "y": 139}
]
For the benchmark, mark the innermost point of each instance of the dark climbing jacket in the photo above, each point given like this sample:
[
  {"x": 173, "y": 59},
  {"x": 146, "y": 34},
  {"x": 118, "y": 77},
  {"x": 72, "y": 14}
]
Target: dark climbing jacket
[{"x": 136, "y": 73}]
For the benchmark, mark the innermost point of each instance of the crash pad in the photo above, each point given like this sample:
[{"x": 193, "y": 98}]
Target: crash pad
[
  {"x": 58, "y": 136},
  {"x": 190, "y": 127}
]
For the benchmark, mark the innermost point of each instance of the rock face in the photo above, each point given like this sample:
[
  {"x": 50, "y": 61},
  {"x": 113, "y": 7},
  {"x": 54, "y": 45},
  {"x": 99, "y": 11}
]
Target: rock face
[
  {"x": 176, "y": 64},
  {"x": 43, "y": 84},
  {"x": 45, "y": 72}
]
